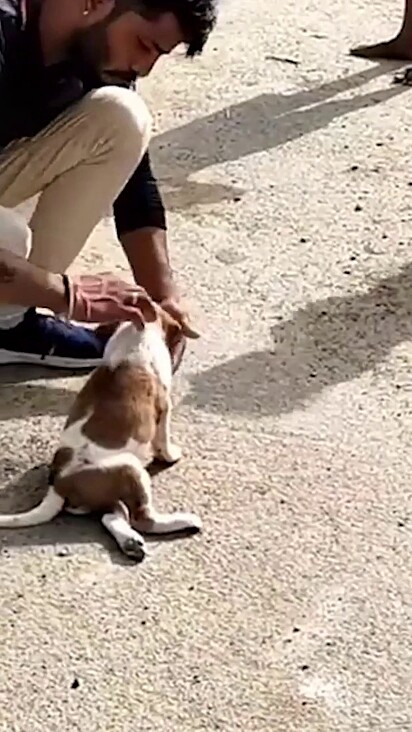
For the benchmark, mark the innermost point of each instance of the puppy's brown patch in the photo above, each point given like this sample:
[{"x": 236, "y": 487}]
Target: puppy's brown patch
[
  {"x": 61, "y": 458},
  {"x": 171, "y": 328},
  {"x": 123, "y": 403},
  {"x": 101, "y": 490}
]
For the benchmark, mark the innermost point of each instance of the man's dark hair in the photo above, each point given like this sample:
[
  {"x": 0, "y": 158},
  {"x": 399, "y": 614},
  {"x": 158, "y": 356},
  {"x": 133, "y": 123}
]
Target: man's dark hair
[{"x": 196, "y": 18}]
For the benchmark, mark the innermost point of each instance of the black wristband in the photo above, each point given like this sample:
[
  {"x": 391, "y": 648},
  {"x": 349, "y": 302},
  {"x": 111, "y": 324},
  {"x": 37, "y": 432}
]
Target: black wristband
[
  {"x": 66, "y": 285},
  {"x": 66, "y": 288}
]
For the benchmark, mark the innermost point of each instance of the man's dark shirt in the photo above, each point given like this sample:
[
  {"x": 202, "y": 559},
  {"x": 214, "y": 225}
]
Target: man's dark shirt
[{"x": 32, "y": 96}]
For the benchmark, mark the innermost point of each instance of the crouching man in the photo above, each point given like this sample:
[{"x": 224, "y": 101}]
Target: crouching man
[{"x": 74, "y": 130}]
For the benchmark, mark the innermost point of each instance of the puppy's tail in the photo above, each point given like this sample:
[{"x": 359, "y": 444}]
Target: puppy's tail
[{"x": 50, "y": 506}]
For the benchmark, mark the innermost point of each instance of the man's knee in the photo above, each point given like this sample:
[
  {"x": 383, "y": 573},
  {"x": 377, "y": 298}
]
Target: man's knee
[
  {"x": 121, "y": 115},
  {"x": 15, "y": 234}
]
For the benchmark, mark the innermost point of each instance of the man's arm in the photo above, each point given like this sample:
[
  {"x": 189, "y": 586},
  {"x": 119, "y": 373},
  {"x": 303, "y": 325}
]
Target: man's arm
[
  {"x": 147, "y": 252},
  {"x": 141, "y": 226},
  {"x": 90, "y": 298},
  {"x": 22, "y": 283}
]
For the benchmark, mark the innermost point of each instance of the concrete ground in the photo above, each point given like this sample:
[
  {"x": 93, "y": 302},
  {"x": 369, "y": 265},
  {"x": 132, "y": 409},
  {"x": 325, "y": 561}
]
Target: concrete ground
[{"x": 289, "y": 186}]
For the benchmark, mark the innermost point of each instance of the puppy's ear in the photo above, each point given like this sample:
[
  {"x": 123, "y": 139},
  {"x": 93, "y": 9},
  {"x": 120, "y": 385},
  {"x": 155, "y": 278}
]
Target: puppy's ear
[
  {"x": 142, "y": 310},
  {"x": 190, "y": 332},
  {"x": 171, "y": 328},
  {"x": 147, "y": 308}
]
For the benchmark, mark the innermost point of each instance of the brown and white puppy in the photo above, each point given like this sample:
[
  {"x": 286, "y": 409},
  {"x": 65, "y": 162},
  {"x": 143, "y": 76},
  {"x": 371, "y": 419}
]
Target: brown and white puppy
[{"x": 118, "y": 422}]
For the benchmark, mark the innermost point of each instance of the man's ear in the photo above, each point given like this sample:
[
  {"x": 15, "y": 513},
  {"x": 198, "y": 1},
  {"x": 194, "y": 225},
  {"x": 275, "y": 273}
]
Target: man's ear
[{"x": 95, "y": 11}]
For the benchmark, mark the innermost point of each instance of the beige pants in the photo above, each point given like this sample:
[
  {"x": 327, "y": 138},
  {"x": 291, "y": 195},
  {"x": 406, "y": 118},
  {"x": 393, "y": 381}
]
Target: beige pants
[{"x": 78, "y": 165}]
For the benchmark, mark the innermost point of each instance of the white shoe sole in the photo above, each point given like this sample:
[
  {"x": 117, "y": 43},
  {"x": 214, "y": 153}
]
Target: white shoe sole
[{"x": 7, "y": 358}]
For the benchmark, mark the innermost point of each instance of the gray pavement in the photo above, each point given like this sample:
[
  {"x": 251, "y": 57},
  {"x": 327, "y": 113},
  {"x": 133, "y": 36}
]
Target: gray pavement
[{"x": 289, "y": 187}]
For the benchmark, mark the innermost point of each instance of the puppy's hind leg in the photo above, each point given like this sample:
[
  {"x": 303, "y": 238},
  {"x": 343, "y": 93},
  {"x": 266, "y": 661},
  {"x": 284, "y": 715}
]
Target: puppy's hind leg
[
  {"x": 146, "y": 519},
  {"x": 149, "y": 521},
  {"x": 118, "y": 525}
]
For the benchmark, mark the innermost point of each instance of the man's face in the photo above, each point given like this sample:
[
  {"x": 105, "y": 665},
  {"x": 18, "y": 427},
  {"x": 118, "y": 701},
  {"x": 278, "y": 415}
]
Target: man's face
[{"x": 127, "y": 46}]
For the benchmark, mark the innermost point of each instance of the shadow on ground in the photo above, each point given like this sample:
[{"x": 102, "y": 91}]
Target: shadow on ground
[
  {"x": 22, "y": 393},
  {"x": 255, "y": 125},
  {"x": 325, "y": 343}
]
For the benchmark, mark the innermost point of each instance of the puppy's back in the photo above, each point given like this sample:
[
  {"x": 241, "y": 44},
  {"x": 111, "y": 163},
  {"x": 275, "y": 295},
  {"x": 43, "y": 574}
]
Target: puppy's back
[{"x": 119, "y": 404}]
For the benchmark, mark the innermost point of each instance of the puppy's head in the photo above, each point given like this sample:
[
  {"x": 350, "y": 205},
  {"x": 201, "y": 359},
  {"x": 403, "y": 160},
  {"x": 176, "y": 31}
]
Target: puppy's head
[{"x": 144, "y": 311}]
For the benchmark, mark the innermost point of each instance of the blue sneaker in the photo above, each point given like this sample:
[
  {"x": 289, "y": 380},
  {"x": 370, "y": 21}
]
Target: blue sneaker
[{"x": 48, "y": 341}]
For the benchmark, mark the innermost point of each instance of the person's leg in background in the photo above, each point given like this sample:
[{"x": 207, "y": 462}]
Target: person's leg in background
[
  {"x": 79, "y": 165},
  {"x": 398, "y": 48}
]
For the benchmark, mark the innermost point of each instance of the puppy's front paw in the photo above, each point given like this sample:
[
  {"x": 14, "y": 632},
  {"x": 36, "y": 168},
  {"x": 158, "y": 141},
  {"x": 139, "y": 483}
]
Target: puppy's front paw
[{"x": 169, "y": 454}]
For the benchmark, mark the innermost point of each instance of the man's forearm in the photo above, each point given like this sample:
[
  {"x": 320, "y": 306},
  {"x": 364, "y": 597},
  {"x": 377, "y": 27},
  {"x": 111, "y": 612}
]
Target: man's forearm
[
  {"x": 22, "y": 283},
  {"x": 147, "y": 252},
  {"x": 141, "y": 226}
]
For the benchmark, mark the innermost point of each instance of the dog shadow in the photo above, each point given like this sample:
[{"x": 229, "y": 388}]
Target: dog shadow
[{"x": 22, "y": 491}]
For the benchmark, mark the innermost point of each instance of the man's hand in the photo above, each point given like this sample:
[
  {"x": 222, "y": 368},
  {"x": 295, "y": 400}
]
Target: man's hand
[
  {"x": 105, "y": 298},
  {"x": 147, "y": 252}
]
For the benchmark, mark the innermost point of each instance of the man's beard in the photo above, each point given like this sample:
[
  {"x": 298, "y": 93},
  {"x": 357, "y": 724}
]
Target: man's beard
[{"x": 89, "y": 50}]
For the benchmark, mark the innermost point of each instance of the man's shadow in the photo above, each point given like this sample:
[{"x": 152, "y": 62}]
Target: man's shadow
[
  {"x": 261, "y": 123},
  {"x": 325, "y": 343}
]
